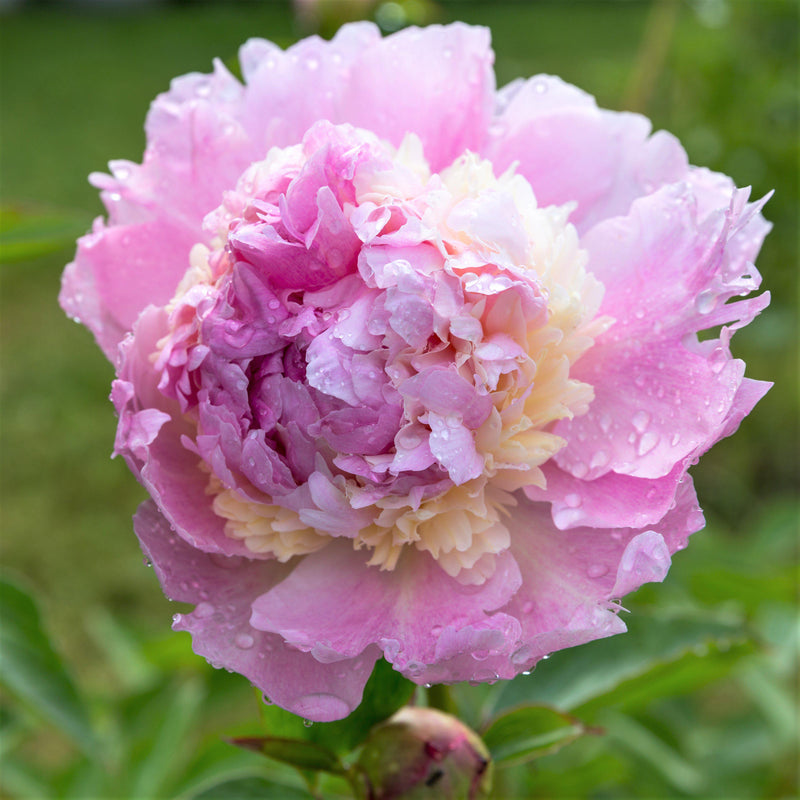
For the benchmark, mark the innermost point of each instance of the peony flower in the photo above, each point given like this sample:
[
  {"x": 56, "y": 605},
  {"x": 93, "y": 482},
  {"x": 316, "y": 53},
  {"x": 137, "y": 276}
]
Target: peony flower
[{"x": 409, "y": 366}]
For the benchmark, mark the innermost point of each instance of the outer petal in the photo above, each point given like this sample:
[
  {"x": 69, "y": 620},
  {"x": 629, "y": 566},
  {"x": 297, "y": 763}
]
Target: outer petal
[
  {"x": 121, "y": 269},
  {"x": 196, "y": 150},
  {"x": 614, "y": 500},
  {"x": 224, "y": 589},
  {"x": 287, "y": 91},
  {"x": 572, "y": 152},
  {"x": 162, "y": 464},
  {"x": 660, "y": 395},
  {"x": 436, "y": 82},
  {"x": 570, "y": 577},
  {"x": 334, "y": 606}
]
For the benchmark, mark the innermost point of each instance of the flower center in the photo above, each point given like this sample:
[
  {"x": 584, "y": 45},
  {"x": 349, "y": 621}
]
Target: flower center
[{"x": 374, "y": 352}]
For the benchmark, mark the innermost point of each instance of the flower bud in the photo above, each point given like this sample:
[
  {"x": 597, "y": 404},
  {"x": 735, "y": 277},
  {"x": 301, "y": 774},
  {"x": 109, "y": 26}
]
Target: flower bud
[{"x": 424, "y": 753}]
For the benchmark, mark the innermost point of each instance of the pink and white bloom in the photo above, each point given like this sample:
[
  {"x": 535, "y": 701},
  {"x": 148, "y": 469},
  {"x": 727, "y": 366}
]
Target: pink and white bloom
[{"x": 410, "y": 366}]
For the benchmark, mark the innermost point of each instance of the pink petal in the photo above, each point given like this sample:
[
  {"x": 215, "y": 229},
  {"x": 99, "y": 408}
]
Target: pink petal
[
  {"x": 572, "y": 152},
  {"x": 333, "y": 603},
  {"x": 224, "y": 590},
  {"x": 436, "y": 82},
  {"x": 569, "y": 577},
  {"x": 660, "y": 395}
]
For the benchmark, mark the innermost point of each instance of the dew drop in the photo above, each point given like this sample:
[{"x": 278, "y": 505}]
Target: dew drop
[
  {"x": 605, "y": 423},
  {"x": 244, "y": 641},
  {"x": 705, "y": 302},
  {"x": 176, "y": 618},
  {"x": 580, "y": 470},
  {"x": 599, "y": 459},
  {"x": 307, "y": 723},
  {"x": 204, "y": 610},
  {"x": 573, "y": 500},
  {"x": 718, "y": 360},
  {"x": 274, "y": 303},
  {"x": 527, "y": 607},
  {"x": 641, "y": 419},
  {"x": 526, "y": 672},
  {"x": 597, "y": 570},
  {"x": 647, "y": 443},
  {"x": 540, "y": 86}
]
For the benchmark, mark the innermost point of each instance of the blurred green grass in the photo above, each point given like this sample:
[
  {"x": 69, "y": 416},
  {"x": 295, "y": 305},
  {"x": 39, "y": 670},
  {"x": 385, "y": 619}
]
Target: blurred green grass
[{"x": 74, "y": 89}]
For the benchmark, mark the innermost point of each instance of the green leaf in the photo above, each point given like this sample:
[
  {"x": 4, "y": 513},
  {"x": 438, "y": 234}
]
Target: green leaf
[
  {"x": 251, "y": 789},
  {"x": 26, "y": 234},
  {"x": 656, "y": 753},
  {"x": 531, "y": 732},
  {"x": 573, "y": 678},
  {"x": 24, "y": 781},
  {"x": 30, "y": 667},
  {"x": 179, "y": 712},
  {"x": 295, "y": 752}
]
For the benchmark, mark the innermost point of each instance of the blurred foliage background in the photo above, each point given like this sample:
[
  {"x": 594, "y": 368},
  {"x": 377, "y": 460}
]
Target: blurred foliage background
[{"x": 698, "y": 701}]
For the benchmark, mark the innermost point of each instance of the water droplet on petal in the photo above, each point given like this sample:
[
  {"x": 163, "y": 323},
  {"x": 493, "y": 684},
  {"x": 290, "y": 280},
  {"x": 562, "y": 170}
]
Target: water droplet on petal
[
  {"x": 573, "y": 500},
  {"x": 244, "y": 641},
  {"x": 597, "y": 570},
  {"x": 641, "y": 419},
  {"x": 204, "y": 610},
  {"x": 647, "y": 443},
  {"x": 705, "y": 302},
  {"x": 718, "y": 360},
  {"x": 307, "y": 723}
]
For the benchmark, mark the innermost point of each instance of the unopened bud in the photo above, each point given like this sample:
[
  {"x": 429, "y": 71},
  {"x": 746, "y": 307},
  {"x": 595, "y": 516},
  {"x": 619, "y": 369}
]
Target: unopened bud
[{"x": 423, "y": 753}]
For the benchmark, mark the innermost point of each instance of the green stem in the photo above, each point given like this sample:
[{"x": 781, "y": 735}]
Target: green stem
[{"x": 440, "y": 697}]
